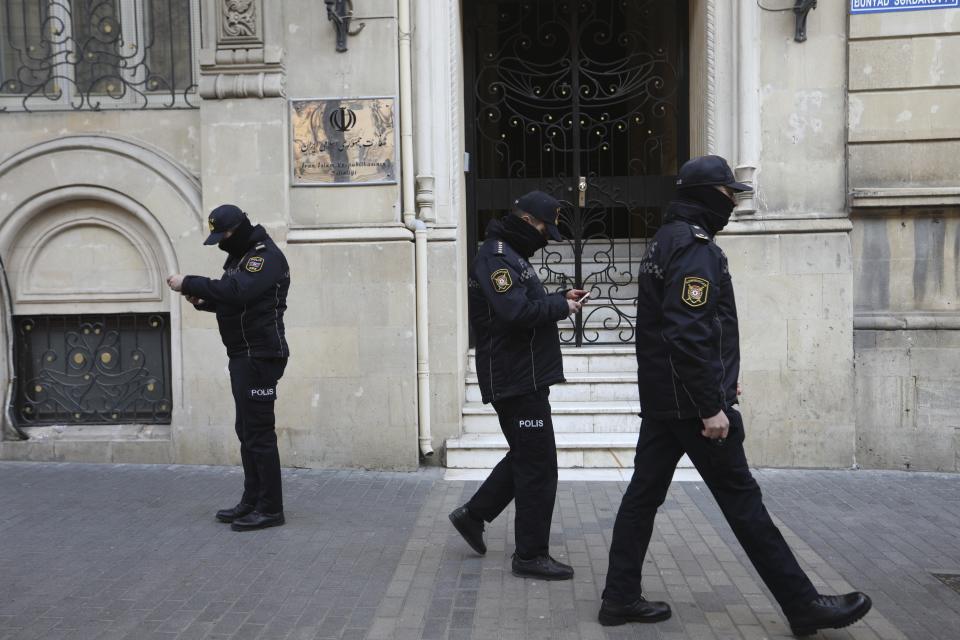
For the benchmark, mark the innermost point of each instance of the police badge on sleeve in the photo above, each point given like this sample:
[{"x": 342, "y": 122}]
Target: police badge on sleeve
[
  {"x": 501, "y": 280},
  {"x": 694, "y": 292},
  {"x": 254, "y": 264}
]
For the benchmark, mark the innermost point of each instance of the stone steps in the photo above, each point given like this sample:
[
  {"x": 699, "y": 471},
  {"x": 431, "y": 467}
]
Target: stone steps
[
  {"x": 584, "y": 385},
  {"x": 574, "y": 451},
  {"x": 607, "y": 358},
  {"x": 594, "y": 414},
  {"x": 606, "y": 417}
]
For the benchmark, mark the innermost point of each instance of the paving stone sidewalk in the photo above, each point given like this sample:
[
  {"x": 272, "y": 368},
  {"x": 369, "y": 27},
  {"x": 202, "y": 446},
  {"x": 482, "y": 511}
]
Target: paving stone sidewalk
[{"x": 130, "y": 551}]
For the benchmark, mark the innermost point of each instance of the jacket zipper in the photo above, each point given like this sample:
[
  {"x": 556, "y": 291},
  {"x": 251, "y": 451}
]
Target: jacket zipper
[{"x": 533, "y": 366}]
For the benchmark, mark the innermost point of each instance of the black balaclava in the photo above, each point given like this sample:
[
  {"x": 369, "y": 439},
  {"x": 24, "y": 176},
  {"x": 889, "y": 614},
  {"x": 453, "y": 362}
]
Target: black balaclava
[
  {"x": 717, "y": 205},
  {"x": 522, "y": 236},
  {"x": 239, "y": 241}
]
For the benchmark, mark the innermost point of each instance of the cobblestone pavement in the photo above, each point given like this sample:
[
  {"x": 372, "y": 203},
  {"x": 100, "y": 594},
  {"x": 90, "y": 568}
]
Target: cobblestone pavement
[{"x": 129, "y": 551}]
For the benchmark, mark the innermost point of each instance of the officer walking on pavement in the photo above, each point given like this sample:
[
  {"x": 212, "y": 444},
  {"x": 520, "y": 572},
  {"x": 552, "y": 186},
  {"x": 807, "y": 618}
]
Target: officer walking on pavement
[
  {"x": 688, "y": 359},
  {"x": 249, "y": 300},
  {"x": 518, "y": 358}
]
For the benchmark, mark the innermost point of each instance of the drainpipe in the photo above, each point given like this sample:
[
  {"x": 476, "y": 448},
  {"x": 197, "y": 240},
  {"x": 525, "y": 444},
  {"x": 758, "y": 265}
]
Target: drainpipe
[
  {"x": 408, "y": 201},
  {"x": 748, "y": 105}
]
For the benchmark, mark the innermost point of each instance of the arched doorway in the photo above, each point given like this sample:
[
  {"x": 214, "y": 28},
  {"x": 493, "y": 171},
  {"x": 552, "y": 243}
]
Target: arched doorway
[{"x": 587, "y": 100}]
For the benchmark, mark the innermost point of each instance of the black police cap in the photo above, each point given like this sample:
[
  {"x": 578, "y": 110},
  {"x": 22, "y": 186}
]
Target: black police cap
[
  {"x": 223, "y": 219},
  {"x": 708, "y": 171},
  {"x": 544, "y": 207}
]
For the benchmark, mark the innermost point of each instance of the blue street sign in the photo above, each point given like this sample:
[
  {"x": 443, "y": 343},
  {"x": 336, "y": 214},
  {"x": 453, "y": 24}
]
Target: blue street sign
[{"x": 882, "y": 6}]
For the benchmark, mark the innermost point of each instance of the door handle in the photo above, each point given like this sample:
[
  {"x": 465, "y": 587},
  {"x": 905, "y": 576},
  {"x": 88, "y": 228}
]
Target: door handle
[{"x": 582, "y": 188}]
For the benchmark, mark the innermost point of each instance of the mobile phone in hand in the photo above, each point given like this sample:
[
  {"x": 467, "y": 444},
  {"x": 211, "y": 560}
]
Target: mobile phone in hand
[{"x": 583, "y": 298}]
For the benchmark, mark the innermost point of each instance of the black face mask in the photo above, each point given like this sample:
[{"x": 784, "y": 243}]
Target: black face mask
[
  {"x": 718, "y": 206},
  {"x": 239, "y": 241},
  {"x": 522, "y": 236}
]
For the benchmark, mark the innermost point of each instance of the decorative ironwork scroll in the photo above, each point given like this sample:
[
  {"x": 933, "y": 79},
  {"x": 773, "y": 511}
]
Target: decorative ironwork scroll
[
  {"x": 92, "y": 54},
  {"x": 588, "y": 93},
  {"x": 343, "y": 141},
  {"x": 92, "y": 369}
]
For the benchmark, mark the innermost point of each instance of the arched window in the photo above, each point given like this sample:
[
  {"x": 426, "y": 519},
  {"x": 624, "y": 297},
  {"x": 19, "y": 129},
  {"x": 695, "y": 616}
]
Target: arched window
[{"x": 91, "y": 325}]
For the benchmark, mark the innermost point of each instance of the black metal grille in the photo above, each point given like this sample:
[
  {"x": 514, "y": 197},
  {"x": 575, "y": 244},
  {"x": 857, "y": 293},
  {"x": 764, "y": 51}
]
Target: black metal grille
[
  {"x": 91, "y": 54},
  {"x": 86, "y": 369},
  {"x": 568, "y": 96}
]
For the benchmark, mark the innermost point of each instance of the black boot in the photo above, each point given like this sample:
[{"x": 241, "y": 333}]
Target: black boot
[
  {"x": 470, "y": 528},
  {"x": 828, "y": 612},
  {"x": 231, "y": 514},
  {"x": 612, "y": 615},
  {"x": 543, "y": 567},
  {"x": 256, "y": 520}
]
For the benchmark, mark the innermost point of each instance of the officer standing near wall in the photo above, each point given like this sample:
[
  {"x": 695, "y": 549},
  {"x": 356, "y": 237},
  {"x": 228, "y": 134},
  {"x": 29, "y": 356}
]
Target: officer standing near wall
[
  {"x": 249, "y": 300},
  {"x": 518, "y": 358},
  {"x": 688, "y": 358}
]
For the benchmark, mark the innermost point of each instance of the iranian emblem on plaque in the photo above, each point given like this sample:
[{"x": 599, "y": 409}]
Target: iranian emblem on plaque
[{"x": 343, "y": 141}]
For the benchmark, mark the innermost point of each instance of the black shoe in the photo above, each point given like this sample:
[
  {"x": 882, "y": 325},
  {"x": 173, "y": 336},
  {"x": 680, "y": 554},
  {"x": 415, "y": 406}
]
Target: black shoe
[
  {"x": 543, "y": 567},
  {"x": 828, "y": 612},
  {"x": 612, "y": 615},
  {"x": 231, "y": 514},
  {"x": 470, "y": 528},
  {"x": 256, "y": 520}
]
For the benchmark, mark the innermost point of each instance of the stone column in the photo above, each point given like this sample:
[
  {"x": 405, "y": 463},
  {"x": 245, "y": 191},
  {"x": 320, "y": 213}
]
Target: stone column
[
  {"x": 243, "y": 113},
  {"x": 243, "y": 160}
]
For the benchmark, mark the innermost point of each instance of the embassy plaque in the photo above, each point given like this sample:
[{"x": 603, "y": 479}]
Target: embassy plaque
[{"x": 343, "y": 141}]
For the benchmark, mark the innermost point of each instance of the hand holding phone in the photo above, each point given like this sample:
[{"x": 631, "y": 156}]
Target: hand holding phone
[{"x": 583, "y": 298}]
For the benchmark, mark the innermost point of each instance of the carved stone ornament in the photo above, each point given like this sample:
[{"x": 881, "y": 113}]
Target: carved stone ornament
[
  {"x": 240, "y": 21},
  {"x": 241, "y": 65}
]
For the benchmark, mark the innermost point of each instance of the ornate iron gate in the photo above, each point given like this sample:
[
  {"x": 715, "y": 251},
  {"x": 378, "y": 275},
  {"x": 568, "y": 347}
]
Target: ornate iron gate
[{"x": 586, "y": 100}]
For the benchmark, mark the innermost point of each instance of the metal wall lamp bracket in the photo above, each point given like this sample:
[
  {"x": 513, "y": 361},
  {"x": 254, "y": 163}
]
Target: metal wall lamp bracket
[
  {"x": 801, "y": 8},
  {"x": 340, "y": 12}
]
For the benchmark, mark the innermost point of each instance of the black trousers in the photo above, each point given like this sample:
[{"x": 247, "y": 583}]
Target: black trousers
[
  {"x": 724, "y": 470},
  {"x": 527, "y": 474},
  {"x": 254, "y": 385}
]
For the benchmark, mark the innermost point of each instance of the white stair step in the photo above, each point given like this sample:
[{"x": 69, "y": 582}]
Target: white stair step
[
  {"x": 598, "y": 450},
  {"x": 595, "y": 386},
  {"x": 596, "y": 254},
  {"x": 620, "y": 289},
  {"x": 619, "y": 416},
  {"x": 590, "y": 358}
]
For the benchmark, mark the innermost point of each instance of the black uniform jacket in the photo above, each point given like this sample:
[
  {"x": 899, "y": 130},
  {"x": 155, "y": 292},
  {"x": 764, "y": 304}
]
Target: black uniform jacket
[
  {"x": 249, "y": 299},
  {"x": 688, "y": 352},
  {"x": 515, "y": 322}
]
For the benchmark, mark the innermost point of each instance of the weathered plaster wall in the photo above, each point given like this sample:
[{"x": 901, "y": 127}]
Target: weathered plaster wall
[
  {"x": 904, "y": 160},
  {"x": 791, "y": 259}
]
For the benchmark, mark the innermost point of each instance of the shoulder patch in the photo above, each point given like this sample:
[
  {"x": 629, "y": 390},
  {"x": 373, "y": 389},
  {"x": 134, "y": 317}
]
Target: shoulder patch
[
  {"x": 699, "y": 233},
  {"x": 500, "y": 251},
  {"x": 694, "y": 291},
  {"x": 501, "y": 280},
  {"x": 254, "y": 264}
]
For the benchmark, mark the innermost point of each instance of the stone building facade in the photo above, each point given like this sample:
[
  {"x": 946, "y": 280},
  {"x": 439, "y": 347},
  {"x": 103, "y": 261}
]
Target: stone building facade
[{"x": 845, "y": 257}]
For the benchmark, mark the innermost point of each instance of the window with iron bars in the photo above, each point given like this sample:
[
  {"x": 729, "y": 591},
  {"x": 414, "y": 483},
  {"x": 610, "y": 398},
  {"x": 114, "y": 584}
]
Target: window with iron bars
[
  {"x": 98, "y": 54},
  {"x": 92, "y": 369}
]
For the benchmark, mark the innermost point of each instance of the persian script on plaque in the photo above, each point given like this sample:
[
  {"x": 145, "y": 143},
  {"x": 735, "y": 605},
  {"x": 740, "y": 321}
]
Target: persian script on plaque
[{"x": 343, "y": 141}]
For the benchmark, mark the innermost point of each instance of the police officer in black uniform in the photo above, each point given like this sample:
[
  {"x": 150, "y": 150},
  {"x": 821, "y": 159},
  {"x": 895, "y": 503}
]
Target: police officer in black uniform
[
  {"x": 688, "y": 358},
  {"x": 518, "y": 358},
  {"x": 249, "y": 300}
]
